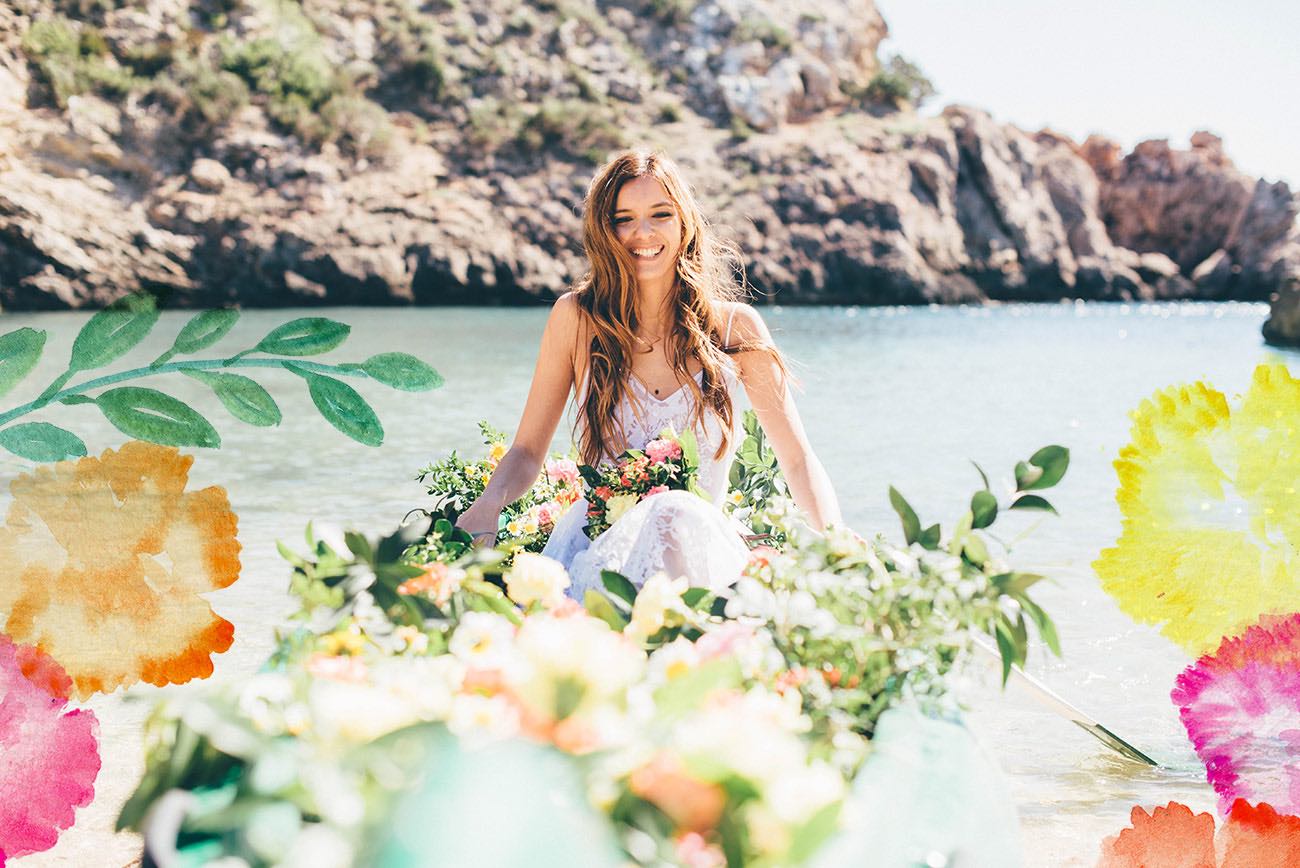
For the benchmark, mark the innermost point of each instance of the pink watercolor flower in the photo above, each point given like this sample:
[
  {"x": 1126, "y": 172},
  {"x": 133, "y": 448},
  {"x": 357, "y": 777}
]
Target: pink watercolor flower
[
  {"x": 659, "y": 451},
  {"x": 658, "y": 489},
  {"x": 1241, "y": 709},
  {"x": 49, "y": 757},
  {"x": 562, "y": 470}
]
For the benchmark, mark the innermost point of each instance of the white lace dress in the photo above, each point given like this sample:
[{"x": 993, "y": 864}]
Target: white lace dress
[{"x": 677, "y": 532}]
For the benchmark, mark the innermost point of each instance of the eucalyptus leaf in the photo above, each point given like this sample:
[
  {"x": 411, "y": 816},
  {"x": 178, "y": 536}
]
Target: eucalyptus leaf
[
  {"x": 204, "y": 330},
  {"x": 911, "y": 524},
  {"x": 246, "y": 400},
  {"x": 929, "y": 537},
  {"x": 20, "y": 350},
  {"x": 113, "y": 332},
  {"x": 984, "y": 477},
  {"x": 307, "y": 336},
  {"x": 41, "y": 441},
  {"x": 344, "y": 408},
  {"x": 401, "y": 371},
  {"x": 1006, "y": 648},
  {"x": 1053, "y": 461},
  {"x": 1032, "y": 501},
  {"x": 147, "y": 414},
  {"x": 1026, "y": 475},
  {"x": 984, "y": 509}
]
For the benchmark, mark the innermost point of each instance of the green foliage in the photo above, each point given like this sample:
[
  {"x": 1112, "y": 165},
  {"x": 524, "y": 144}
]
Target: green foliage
[
  {"x": 579, "y": 127},
  {"x": 899, "y": 82},
  {"x": 755, "y": 479},
  {"x": 766, "y": 31},
  {"x": 154, "y": 416},
  {"x": 72, "y": 59}
]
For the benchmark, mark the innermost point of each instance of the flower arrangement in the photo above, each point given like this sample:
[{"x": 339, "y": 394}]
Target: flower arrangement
[
  {"x": 668, "y": 463},
  {"x": 708, "y": 729},
  {"x": 527, "y": 523}
]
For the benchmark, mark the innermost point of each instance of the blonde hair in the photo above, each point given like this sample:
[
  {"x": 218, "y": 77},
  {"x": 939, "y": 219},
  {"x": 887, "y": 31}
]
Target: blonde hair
[{"x": 710, "y": 273}]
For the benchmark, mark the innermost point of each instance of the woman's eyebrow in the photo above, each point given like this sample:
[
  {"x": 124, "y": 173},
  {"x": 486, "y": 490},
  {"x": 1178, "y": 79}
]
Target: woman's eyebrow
[{"x": 652, "y": 207}]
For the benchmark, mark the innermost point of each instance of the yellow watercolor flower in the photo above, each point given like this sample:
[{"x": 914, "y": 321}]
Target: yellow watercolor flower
[
  {"x": 1211, "y": 530},
  {"x": 104, "y": 560}
]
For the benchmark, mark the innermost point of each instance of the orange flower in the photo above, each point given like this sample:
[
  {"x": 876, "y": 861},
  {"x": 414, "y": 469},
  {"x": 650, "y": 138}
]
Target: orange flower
[
  {"x": 105, "y": 559},
  {"x": 693, "y": 805},
  {"x": 1257, "y": 836},
  {"x": 1171, "y": 835}
]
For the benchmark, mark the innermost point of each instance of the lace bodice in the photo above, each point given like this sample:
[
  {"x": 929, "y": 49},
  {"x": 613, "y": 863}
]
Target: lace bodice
[{"x": 642, "y": 416}]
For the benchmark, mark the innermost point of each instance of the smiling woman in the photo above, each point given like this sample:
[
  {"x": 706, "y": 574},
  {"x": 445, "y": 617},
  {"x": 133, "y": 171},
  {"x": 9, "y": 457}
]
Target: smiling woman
[{"x": 650, "y": 345}]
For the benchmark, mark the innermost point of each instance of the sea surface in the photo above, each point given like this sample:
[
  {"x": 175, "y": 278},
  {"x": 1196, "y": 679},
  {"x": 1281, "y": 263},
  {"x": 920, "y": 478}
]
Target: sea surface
[{"x": 901, "y": 396}]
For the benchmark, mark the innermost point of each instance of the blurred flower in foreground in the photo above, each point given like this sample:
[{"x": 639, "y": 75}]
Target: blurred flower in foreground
[
  {"x": 48, "y": 757},
  {"x": 1251, "y": 837},
  {"x": 105, "y": 560},
  {"x": 1241, "y": 708},
  {"x": 1211, "y": 524}
]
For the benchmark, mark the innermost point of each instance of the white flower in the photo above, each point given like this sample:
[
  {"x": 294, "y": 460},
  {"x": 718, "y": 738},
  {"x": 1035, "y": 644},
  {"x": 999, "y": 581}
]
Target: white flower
[
  {"x": 799, "y": 793},
  {"x": 675, "y": 659},
  {"x": 617, "y": 505},
  {"x": 571, "y": 665},
  {"x": 478, "y": 719},
  {"x": 483, "y": 640},
  {"x": 263, "y": 700},
  {"x": 736, "y": 498},
  {"x": 658, "y": 605},
  {"x": 535, "y": 578}
]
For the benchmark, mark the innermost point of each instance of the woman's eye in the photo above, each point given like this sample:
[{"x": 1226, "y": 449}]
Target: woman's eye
[
  {"x": 663, "y": 215},
  {"x": 621, "y": 220}
]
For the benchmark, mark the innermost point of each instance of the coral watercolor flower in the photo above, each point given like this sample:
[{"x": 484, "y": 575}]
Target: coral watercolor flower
[
  {"x": 1241, "y": 709},
  {"x": 1208, "y": 495},
  {"x": 105, "y": 560},
  {"x": 1171, "y": 835},
  {"x": 1257, "y": 836},
  {"x": 49, "y": 757}
]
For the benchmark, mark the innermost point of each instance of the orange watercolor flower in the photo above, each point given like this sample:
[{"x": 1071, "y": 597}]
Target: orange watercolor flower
[
  {"x": 1253, "y": 837},
  {"x": 1168, "y": 836},
  {"x": 105, "y": 559}
]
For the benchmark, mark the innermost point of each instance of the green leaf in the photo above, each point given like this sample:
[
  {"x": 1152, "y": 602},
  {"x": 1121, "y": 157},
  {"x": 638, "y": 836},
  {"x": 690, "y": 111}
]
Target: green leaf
[
  {"x": 911, "y": 524},
  {"x": 1046, "y": 628},
  {"x": 1052, "y": 462},
  {"x": 984, "y": 509},
  {"x": 1032, "y": 501},
  {"x": 244, "y": 398},
  {"x": 1015, "y": 583},
  {"x": 344, "y": 408},
  {"x": 694, "y": 597},
  {"x": 20, "y": 350},
  {"x": 1026, "y": 475},
  {"x": 976, "y": 552},
  {"x": 1006, "y": 648},
  {"x": 599, "y": 606},
  {"x": 984, "y": 477},
  {"x": 685, "y": 692},
  {"x": 690, "y": 448},
  {"x": 204, "y": 330},
  {"x": 401, "y": 371},
  {"x": 112, "y": 332},
  {"x": 147, "y": 414},
  {"x": 359, "y": 546},
  {"x": 813, "y": 833},
  {"x": 929, "y": 537},
  {"x": 619, "y": 585},
  {"x": 304, "y": 337},
  {"x": 41, "y": 441}
]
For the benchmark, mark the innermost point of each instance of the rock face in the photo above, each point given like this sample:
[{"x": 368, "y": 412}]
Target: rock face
[{"x": 352, "y": 153}]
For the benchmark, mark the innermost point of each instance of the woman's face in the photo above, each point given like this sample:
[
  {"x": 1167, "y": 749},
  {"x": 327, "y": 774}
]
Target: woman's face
[{"x": 647, "y": 224}]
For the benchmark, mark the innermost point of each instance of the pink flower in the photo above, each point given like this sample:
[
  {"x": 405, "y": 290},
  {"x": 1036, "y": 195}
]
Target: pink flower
[
  {"x": 49, "y": 758},
  {"x": 328, "y": 666},
  {"x": 548, "y": 512},
  {"x": 658, "y": 489},
  {"x": 1241, "y": 709},
  {"x": 659, "y": 451},
  {"x": 724, "y": 641},
  {"x": 562, "y": 470},
  {"x": 693, "y": 851}
]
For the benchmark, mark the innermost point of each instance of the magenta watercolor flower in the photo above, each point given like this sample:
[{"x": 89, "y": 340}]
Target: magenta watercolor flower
[
  {"x": 49, "y": 756},
  {"x": 1241, "y": 708}
]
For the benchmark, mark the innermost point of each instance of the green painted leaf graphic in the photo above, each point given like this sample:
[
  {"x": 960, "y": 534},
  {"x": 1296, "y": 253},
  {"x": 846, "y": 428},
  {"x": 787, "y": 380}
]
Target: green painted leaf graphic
[
  {"x": 204, "y": 330},
  {"x": 401, "y": 371},
  {"x": 911, "y": 523},
  {"x": 1032, "y": 501},
  {"x": 305, "y": 337},
  {"x": 1054, "y": 461},
  {"x": 147, "y": 414},
  {"x": 41, "y": 441},
  {"x": 345, "y": 409},
  {"x": 246, "y": 400},
  {"x": 113, "y": 332},
  {"x": 20, "y": 350}
]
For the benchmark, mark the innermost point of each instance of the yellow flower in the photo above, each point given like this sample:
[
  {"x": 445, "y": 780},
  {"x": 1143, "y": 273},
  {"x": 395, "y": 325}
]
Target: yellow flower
[
  {"x": 349, "y": 642},
  {"x": 104, "y": 560},
  {"x": 617, "y": 505},
  {"x": 1211, "y": 519},
  {"x": 496, "y": 452}
]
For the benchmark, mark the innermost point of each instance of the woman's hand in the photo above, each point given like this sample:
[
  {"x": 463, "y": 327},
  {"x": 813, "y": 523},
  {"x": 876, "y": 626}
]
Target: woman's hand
[{"x": 481, "y": 522}]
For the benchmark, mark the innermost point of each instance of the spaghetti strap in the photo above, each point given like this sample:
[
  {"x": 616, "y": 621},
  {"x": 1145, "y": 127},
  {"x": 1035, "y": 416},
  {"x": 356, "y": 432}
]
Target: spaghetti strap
[{"x": 726, "y": 342}]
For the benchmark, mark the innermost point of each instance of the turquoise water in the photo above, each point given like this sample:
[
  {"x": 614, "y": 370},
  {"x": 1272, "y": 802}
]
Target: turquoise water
[{"x": 889, "y": 396}]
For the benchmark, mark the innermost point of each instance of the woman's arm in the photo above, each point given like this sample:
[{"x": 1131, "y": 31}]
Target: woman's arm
[
  {"x": 552, "y": 380},
  {"x": 769, "y": 393}
]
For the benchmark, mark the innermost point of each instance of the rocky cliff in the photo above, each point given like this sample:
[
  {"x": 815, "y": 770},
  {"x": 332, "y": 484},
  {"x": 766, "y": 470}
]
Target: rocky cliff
[{"x": 268, "y": 152}]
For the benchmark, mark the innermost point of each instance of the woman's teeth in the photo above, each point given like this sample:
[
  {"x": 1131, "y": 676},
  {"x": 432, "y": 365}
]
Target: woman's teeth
[{"x": 647, "y": 252}]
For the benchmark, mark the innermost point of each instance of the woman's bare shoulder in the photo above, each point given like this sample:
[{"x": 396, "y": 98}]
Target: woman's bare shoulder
[{"x": 747, "y": 326}]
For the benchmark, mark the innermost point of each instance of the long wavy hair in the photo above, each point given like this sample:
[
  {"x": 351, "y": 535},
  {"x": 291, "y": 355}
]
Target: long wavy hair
[{"x": 710, "y": 273}]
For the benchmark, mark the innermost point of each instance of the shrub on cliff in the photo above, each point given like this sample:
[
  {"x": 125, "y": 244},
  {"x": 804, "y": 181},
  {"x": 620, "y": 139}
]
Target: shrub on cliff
[
  {"x": 71, "y": 58},
  {"x": 900, "y": 82}
]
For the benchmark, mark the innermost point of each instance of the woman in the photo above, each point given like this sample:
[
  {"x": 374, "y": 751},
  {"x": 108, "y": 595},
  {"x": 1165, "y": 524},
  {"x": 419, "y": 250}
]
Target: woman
[{"x": 654, "y": 336}]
